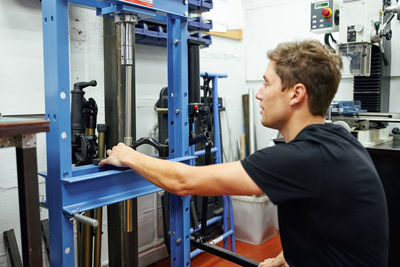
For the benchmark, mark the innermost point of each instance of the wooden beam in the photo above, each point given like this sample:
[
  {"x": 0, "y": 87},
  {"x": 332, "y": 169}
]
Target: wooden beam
[{"x": 231, "y": 34}]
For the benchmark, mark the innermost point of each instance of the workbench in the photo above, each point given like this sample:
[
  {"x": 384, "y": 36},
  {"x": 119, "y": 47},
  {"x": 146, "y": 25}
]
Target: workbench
[{"x": 21, "y": 134}]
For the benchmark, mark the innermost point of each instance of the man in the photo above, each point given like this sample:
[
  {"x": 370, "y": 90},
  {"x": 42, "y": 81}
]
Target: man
[{"x": 331, "y": 204}]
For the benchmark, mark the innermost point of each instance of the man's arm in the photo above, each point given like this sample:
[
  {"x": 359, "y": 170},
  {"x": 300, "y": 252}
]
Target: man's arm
[{"x": 182, "y": 179}]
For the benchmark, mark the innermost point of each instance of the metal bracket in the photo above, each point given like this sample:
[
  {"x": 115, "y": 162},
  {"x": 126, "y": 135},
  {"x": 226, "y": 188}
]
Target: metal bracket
[{"x": 24, "y": 141}]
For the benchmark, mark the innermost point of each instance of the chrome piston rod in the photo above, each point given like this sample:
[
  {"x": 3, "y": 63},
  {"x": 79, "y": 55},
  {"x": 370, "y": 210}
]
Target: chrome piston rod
[{"x": 127, "y": 24}]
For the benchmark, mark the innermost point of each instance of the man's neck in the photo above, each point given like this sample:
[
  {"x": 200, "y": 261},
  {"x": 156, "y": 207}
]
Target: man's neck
[{"x": 295, "y": 125}]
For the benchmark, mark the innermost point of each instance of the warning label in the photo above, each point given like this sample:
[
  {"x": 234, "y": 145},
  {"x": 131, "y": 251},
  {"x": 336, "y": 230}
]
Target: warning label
[{"x": 148, "y": 3}]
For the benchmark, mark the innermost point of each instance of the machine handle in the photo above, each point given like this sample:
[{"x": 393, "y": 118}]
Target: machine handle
[
  {"x": 87, "y": 220},
  {"x": 161, "y": 148},
  {"x": 79, "y": 86}
]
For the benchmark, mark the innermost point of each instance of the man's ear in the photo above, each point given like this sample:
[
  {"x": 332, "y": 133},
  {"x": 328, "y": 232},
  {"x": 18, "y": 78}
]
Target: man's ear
[{"x": 299, "y": 93}]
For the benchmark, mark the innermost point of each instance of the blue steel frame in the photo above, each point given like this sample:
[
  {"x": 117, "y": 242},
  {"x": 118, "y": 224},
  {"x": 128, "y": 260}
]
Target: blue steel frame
[{"x": 75, "y": 190}]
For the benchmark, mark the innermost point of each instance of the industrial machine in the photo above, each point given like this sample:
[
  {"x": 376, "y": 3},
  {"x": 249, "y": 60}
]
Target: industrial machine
[
  {"x": 370, "y": 128},
  {"x": 73, "y": 191},
  {"x": 364, "y": 43}
]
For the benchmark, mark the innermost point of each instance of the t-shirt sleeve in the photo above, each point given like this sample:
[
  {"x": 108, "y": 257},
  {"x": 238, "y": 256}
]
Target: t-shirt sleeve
[{"x": 286, "y": 171}]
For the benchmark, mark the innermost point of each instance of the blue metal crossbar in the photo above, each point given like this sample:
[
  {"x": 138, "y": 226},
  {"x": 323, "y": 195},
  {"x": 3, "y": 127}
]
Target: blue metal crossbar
[
  {"x": 155, "y": 35},
  {"x": 200, "y": 5}
]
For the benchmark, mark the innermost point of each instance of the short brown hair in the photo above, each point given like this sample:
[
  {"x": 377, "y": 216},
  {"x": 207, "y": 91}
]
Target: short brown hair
[{"x": 310, "y": 63}]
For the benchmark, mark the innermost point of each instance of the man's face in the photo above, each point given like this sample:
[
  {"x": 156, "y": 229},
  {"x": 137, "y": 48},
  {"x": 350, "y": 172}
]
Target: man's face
[{"x": 274, "y": 102}]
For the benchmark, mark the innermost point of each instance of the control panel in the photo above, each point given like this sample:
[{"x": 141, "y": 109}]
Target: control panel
[{"x": 324, "y": 16}]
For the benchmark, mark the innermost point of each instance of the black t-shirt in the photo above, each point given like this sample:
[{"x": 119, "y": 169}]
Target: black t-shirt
[{"x": 331, "y": 204}]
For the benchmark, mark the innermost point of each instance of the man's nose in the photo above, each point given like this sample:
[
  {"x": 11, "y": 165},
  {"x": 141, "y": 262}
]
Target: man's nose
[{"x": 260, "y": 93}]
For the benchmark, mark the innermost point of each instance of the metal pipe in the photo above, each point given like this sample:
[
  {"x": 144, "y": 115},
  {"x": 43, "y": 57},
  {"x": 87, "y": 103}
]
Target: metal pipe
[
  {"x": 232, "y": 225},
  {"x": 128, "y": 105},
  {"x": 86, "y": 220},
  {"x": 98, "y": 214},
  {"x": 217, "y": 125},
  {"x": 209, "y": 222},
  {"x": 85, "y": 237},
  {"x": 101, "y": 129},
  {"x": 251, "y": 123},
  {"x": 203, "y": 152}
]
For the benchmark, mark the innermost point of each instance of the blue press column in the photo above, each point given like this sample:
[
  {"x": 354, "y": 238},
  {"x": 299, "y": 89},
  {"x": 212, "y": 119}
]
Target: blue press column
[
  {"x": 178, "y": 132},
  {"x": 57, "y": 100}
]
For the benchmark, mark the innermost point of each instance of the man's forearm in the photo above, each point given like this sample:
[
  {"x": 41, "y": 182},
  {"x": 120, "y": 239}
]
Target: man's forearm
[
  {"x": 182, "y": 179},
  {"x": 166, "y": 174}
]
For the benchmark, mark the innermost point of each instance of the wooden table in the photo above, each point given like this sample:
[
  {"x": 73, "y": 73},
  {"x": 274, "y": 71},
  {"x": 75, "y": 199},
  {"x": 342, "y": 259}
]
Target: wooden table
[{"x": 21, "y": 133}]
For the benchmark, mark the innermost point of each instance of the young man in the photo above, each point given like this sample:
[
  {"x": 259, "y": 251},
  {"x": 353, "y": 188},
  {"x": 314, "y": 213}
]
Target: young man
[{"x": 331, "y": 204}]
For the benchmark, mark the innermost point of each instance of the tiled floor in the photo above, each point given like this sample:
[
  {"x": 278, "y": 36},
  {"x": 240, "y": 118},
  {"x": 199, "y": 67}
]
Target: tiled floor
[{"x": 268, "y": 249}]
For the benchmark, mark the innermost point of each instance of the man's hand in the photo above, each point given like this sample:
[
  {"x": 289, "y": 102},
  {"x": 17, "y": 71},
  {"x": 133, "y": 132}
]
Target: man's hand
[
  {"x": 278, "y": 261},
  {"x": 117, "y": 155}
]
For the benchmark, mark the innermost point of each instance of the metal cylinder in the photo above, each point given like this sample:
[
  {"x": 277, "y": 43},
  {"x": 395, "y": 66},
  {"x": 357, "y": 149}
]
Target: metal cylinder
[
  {"x": 120, "y": 119},
  {"x": 128, "y": 105},
  {"x": 86, "y": 219},
  {"x": 101, "y": 129},
  {"x": 127, "y": 24}
]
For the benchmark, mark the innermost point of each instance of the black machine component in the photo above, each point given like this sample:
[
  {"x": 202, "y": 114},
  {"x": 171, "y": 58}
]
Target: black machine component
[
  {"x": 372, "y": 91},
  {"x": 223, "y": 253},
  {"x": 83, "y": 125}
]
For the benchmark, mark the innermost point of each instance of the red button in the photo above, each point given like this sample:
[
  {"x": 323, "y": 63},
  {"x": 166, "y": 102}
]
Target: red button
[
  {"x": 196, "y": 107},
  {"x": 326, "y": 12}
]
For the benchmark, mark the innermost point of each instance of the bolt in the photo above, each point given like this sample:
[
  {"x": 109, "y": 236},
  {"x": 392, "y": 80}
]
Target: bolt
[
  {"x": 177, "y": 111},
  {"x": 186, "y": 2},
  {"x": 176, "y": 41},
  {"x": 178, "y": 241},
  {"x": 63, "y": 95}
]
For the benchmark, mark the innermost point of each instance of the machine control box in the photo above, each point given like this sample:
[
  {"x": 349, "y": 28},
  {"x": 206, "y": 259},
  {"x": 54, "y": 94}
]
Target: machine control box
[
  {"x": 324, "y": 16},
  {"x": 357, "y": 19}
]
